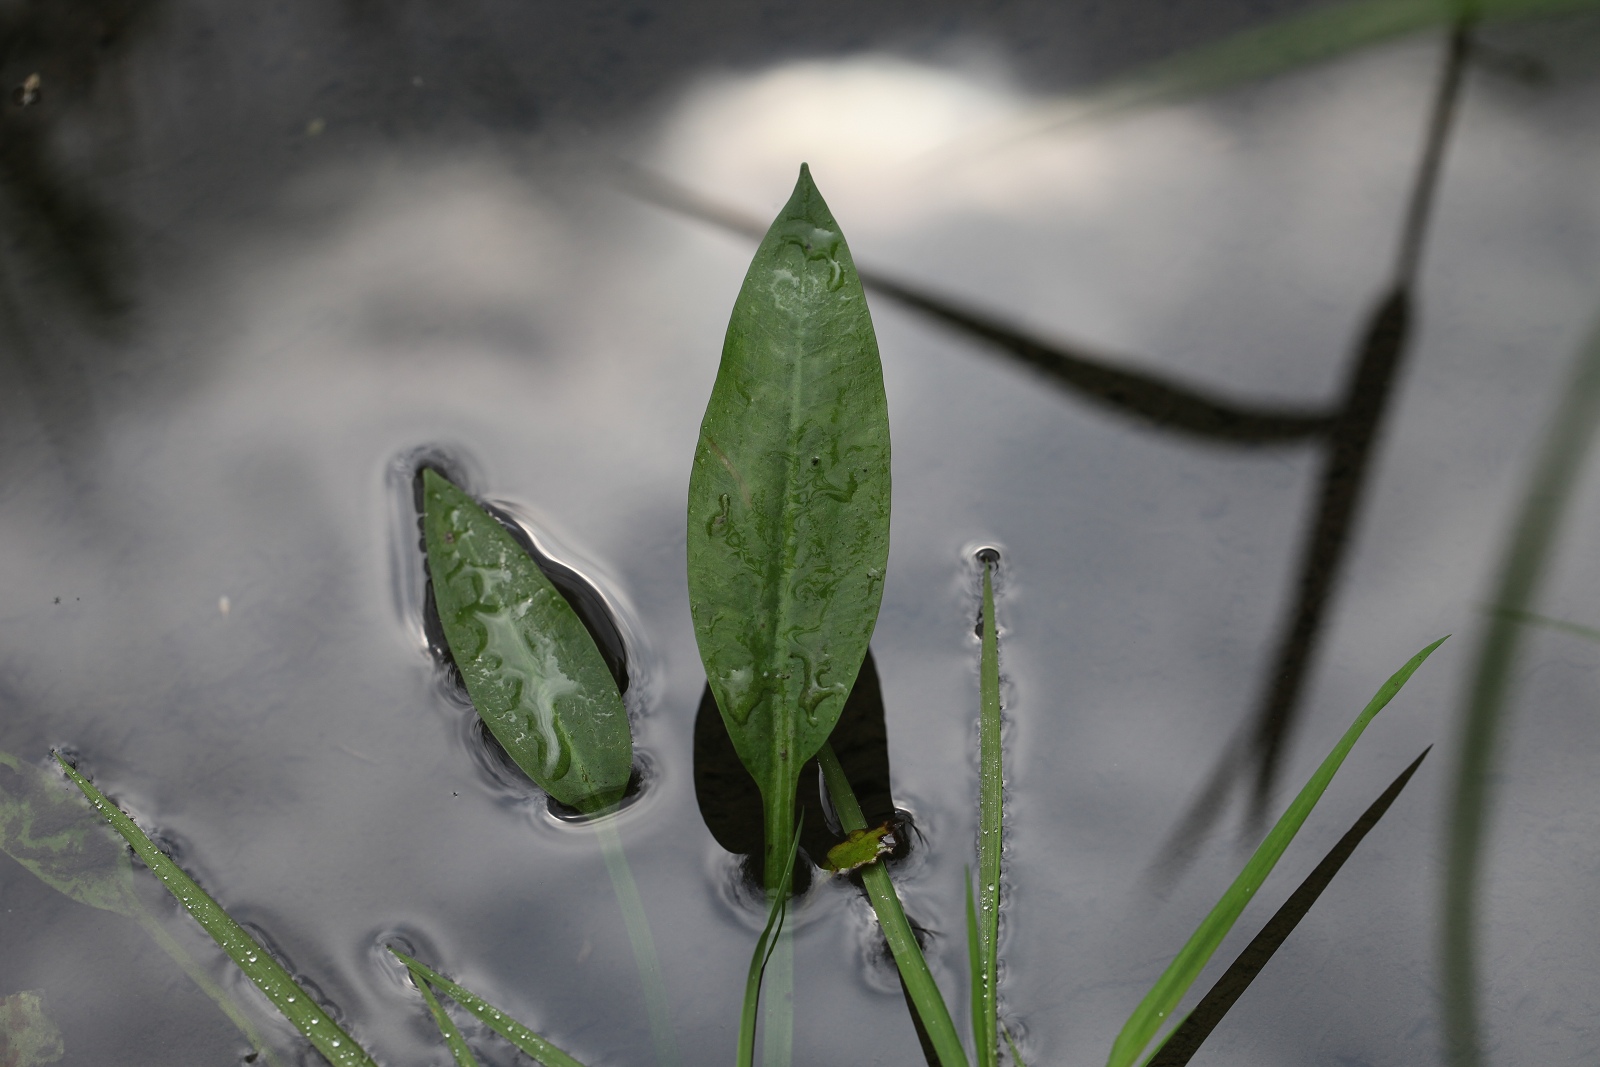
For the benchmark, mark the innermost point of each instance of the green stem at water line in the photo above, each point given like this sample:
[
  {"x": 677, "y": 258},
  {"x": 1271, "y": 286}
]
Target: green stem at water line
[{"x": 914, "y": 972}]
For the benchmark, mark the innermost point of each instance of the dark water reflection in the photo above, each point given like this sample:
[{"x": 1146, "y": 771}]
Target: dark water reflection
[{"x": 252, "y": 257}]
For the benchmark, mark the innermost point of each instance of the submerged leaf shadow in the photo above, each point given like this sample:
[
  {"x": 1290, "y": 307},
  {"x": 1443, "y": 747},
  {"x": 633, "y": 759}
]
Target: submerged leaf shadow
[{"x": 730, "y": 802}]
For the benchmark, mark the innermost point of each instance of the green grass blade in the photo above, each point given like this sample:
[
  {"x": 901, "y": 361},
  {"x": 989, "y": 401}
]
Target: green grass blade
[
  {"x": 643, "y": 944},
  {"x": 447, "y": 1027},
  {"x": 1181, "y": 1045},
  {"x": 975, "y": 977},
  {"x": 1521, "y": 574},
  {"x": 788, "y": 505},
  {"x": 991, "y": 803},
  {"x": 919, "y": 983},
  {"x": 768, "y": 940},
  {"x": 1016, "y": 1055},
  {"x": 497, "y": 1020},
  {"x": 531, "y": 667},
  {"x": 1157, "y": 1004},
  {"x": 258, "y": 965}
]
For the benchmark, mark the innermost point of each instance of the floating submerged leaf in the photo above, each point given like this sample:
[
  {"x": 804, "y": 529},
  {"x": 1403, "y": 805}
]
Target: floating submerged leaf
[
  {"x": 789, "y": 504},
  {"x": 533, "y": 671},
  {"x": 28, "y": 1038},
  {"x": 860, "y": 848},
  {"x": 45, "y": 827}
]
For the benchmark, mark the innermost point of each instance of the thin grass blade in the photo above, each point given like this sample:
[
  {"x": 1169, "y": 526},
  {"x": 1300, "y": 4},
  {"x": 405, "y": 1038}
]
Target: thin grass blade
[
  {"x": 1181, "y": 1045},
  {"x": 1016, "y": 1055},
  {"x": 258, "y": 965},
  {"x": 768, "y": 940},
  {"x": 991, "y": 804},
  {"x": 497, "y": 1020},
  {"x": 447, "y": 1027},
  {"x": 1157, "y": 1004},
  {"x": 914, "y": 972}
]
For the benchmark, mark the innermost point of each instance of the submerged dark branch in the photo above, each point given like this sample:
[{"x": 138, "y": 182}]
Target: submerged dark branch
[{"x": 1149, "y": 398}]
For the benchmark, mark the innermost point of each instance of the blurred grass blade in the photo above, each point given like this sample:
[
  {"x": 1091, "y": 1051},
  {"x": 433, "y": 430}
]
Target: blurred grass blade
[
  {"x": 1289, "y": 44},
  {"x": 1184, "y": 1041},
  {"x": 1533, "y": 618},
  {"x": 267, "y": 973},
  {"x": 914, "y": 973},
  {"x": 1157, "y": 1004},
  {"x": 497, "y": 1020},
  {"x": 1522, "y": 571},
  {"x": 776, "y": 912},
  {"x": 991, "y": 801},
  {"x": 788, "y": 505},
  {"x": 532, "y": 668},
  {"x": 447, "y": 1027}
]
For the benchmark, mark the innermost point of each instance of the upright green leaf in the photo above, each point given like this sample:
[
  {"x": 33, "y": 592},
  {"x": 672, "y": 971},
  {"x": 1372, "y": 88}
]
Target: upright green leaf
[
  {"x": 531, "y": 668},
  {"x": 1157, "y": 1004},
  {"x": 256, "y": 962},
  {"x": 789, "y": 504}
]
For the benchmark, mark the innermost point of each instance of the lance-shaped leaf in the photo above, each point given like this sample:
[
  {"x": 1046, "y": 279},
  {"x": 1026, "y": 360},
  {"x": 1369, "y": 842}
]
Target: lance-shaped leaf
[
  {"x": 789, "y": 504},
  {"x": 531, "y": 668}
]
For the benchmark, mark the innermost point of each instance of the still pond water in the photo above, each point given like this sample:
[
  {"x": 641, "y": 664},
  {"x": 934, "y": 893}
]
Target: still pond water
[{"x": 304, "y": 247}]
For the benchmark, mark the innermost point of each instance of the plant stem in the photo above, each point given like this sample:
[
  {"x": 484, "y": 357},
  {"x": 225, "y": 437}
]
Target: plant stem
[
  {"x": 920, "y": 986},
  {"x": 777, "y": 1002},
  {"x": 644, "y": 946},
  {"x": 777, "y": 1009},
  {"x": 991, "y": 800}
]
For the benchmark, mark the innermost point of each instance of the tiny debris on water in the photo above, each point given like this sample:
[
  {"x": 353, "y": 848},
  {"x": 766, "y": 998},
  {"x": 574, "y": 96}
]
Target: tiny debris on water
[
  {"x": 28, "y": 92},
  {"x": 860, "y": 848}
]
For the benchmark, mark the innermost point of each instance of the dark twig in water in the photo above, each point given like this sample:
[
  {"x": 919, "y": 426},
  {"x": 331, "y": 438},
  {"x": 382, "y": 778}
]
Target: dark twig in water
[
  {"x": 1344, "y": 476},
  {"x": 1149, "y": 398}
]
